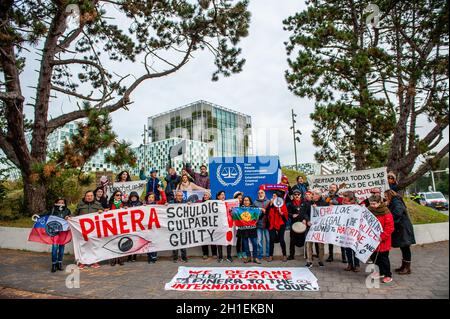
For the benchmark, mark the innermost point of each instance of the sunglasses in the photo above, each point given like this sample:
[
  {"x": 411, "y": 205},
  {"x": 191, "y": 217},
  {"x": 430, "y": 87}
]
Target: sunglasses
[
  {"x": 296, "y": 194},
  {"x": 117, "y": 195}
]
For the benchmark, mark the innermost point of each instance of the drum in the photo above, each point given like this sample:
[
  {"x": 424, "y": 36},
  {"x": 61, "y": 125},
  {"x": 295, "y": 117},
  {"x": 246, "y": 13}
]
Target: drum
[{"x": 298, "y": 227}]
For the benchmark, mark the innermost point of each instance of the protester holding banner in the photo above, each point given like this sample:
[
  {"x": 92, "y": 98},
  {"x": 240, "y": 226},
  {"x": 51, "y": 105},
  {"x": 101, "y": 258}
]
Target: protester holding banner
[
  {"x": 349, "y": 198},
  {"x": 334, "y": 199},
  {"x": 179, "y": 200},
  {"x": 172, "y": 180},
  {"x": 381, "y": 256},
  {"x": 261, "y": 227},
  {"x": 301, "y": 185},
  {"x": 88, "y": 205},
  {"x": 150, "y": 199},
  {"x": 296, "y": 238},
  {"x": 153, "y": 182},
  {"x": 205, "y": 249},
  {"x": 239, "y": 247},
  {"x": 403, "y": 235},
  {"x": 317, "y": 201},
  {"x": 123, "y": 176},
  {"x": 221, "y": 196},
  {"x": 277, "y": 218},
  {"x": 248, "y": 232},
  {"x": 60, "y": 210},
  {"x": 101, "y": 197},
  {"x": 202, "y": 178}
]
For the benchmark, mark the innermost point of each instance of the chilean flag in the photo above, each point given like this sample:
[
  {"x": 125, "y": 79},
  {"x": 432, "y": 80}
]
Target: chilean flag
[{"x": 50, "y": 230}]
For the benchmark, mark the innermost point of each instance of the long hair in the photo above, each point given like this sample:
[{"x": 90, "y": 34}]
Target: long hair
[
  {"x": 390, "y": 194},
  {"x": 120, "y": 174},
  {"x": 249, "y": 198}
]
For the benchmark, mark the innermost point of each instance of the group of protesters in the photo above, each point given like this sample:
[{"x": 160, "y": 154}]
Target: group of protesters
[{"x": 274, "y": 220}]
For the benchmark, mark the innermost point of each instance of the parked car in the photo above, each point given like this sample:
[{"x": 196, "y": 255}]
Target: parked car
[{"x": 435, "y": 200}]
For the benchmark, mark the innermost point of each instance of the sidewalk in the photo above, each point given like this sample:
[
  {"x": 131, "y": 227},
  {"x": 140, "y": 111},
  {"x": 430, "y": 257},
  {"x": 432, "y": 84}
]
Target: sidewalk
[{"x": 27, "y": 275}]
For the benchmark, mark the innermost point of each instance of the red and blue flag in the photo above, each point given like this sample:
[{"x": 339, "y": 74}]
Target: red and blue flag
[{"x": 50, "y": 230}]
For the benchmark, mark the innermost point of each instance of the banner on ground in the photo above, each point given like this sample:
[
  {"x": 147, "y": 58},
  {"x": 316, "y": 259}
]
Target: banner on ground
[
  {"x": 243, "y": 279},
  {"x": 143, "y": 229},
  {"x": 359, "y": 182},
  {"x": 245, "y": 174},
  {"x": 126, "y": 188},
  {"x": 350, "y": 226},
  {"x": 246, "y": 217},
  {"x": 50, "y": 230}
]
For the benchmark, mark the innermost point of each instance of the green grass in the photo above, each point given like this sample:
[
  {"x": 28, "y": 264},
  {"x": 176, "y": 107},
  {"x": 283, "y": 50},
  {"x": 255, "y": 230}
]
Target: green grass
[
  {"x": 23, "y": 222},
  {"x": 424, "y": 215}
]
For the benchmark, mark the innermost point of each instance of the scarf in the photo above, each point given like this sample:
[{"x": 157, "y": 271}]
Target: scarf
[
  {"x": 380, "y": 210},
  {"x": 117, "y": 204},
  {"x": 275, "y": 219}
]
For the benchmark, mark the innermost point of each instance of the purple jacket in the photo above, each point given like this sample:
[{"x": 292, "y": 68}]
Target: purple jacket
[{"x": 199, "y": 179}]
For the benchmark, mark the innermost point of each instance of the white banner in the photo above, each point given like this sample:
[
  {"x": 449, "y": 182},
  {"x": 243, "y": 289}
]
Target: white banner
[
  {"x": 243, "y": 279},
  {"x": 350, "y": 226},
  {"x": 143, "y": 229},
  {"x": 126, "y": 188},
  {"x": 358, "y": 181}
]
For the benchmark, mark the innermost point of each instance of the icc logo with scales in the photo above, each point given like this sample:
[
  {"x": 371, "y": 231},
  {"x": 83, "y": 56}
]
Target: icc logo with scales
[{"x": 229, "y": 175}]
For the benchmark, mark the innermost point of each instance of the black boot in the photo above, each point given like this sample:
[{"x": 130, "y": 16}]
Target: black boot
[
  {"x": 59, "y": 266},
  {"x": 53, "y": 268},
  {"x": 344, "y": 256}
]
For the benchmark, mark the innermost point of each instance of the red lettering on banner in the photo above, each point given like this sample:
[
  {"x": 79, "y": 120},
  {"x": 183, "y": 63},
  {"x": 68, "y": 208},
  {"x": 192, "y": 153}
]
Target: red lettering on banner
[
  {"x": 109, "y": 227},
  {"x": 85, "y": 231},
  {"x": 137, "y": 220},
  {"x": 153, "y": 219},
  {"x": 122, "y": 223}
]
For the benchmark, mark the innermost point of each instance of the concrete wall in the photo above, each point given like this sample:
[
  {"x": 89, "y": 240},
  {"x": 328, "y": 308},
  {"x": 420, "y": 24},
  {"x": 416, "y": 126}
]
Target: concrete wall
[{"x": 16, "y": 238}]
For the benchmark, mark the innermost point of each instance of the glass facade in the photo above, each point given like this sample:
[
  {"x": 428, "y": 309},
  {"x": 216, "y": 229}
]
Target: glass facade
[{"x": 227, "y": 132}]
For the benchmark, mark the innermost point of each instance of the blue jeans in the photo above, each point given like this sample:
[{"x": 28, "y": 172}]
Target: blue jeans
[
  {"x": 57, "y": 253},
  {"x": 263, "y": 235},
  {"x": 247, "y": 247}
]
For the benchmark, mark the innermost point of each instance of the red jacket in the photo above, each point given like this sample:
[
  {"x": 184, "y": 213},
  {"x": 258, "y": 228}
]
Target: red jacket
[
  {"x": 274, "y": 218},
  {"x": 387, "y": 223}
]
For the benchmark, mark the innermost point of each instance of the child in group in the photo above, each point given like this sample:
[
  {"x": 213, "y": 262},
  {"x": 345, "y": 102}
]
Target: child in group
[
  {"x": 150, "y": 199},
  {"x": 381, "y": 256}
]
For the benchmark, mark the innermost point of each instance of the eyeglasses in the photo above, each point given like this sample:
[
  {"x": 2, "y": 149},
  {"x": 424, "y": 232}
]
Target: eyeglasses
[
  {"x": 117, "y": 195},
  {"x": 296, "y": 194}
]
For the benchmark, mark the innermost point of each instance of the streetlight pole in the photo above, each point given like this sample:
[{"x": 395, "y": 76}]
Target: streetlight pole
[
  {"x": 296, "y": 139},
  {"x": 293, "y": 135}
]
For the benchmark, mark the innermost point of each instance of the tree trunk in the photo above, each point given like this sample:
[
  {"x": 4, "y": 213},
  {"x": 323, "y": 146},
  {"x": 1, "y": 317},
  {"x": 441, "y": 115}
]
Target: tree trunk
[{"x": 35, "y": 195}]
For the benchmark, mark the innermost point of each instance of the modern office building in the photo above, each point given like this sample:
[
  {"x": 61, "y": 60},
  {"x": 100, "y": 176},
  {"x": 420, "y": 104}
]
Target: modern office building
[
  {"x": 156, "y": 155},
  {"x": 227, "y": 132}
]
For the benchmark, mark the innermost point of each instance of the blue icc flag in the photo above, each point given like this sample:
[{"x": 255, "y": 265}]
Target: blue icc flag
[{"x": 245, "y": 174}]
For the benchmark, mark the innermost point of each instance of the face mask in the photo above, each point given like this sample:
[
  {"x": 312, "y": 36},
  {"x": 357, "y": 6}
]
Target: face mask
[{"x": 60, "y": 206}]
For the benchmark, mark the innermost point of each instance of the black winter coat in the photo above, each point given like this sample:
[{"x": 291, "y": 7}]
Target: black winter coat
[{"x": 403, "y": 234}]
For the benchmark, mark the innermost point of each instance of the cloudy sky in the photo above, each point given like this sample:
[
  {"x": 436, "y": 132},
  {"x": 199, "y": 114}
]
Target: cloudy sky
[{"x": 259, "y": 91}]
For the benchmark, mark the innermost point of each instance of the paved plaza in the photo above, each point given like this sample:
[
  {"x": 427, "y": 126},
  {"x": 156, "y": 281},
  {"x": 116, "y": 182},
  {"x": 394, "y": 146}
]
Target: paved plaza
[{"x": 27, "y": 275}]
